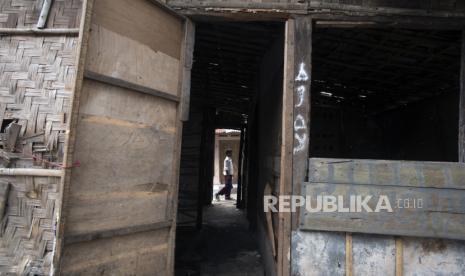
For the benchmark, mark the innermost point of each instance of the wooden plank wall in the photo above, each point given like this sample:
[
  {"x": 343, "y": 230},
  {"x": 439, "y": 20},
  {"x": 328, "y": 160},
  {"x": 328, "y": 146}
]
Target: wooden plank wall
[
  {"x": 118, "y": 213},
  {"x": 437, "y": 186}
]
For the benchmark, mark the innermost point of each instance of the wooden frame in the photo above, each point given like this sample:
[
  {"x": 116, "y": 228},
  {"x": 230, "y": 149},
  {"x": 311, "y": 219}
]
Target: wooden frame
[
  {"x": 182, "y": 103},
  {"x": 70, "y": 138}
]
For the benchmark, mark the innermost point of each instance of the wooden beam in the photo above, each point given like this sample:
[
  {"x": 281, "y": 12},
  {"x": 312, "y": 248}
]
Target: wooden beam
[
  {"x": 318, "y": 6},
  {"x": 116, "y": 232},
  {"x": 187, "y": 58},
  {"x": 301, "y": 122},
  {"x": 405, "y": 215},
  {"x": 208, "y": 4},
  {"x": 129, "y": 85},
  {"x": 437, "y": 175},
  {"x": 399, "y": 256},
  {"x": 70, "y": 134},
  {"x": 349, "y": 256},
  {"x": 285, "y": 182},
  {"x": 382, "y": 21}
]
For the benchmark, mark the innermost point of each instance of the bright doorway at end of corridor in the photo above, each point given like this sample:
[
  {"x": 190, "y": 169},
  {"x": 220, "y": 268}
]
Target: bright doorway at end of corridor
[{"x": 226, "y": 141}]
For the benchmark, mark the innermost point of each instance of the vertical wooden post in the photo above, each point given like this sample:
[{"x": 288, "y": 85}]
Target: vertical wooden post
[
  {"x": 399, "y": 256},
  {"x": 285, "y": 185},
  {"x": 301, "y": 122},
  {"x": 187, "y": 58},
  {"x": 461, "y": 141},
  {"x": 349, "y": 266},
  {"x": 295, "y": 127},
  {"x": 70, "y": 136}
]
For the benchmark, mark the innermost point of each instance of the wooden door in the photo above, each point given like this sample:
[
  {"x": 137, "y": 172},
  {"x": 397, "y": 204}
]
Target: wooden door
[{"x": 121, "y": 203}]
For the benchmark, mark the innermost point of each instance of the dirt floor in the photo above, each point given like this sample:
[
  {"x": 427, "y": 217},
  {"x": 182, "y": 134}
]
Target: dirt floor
[{"x": 224, "y": 246}]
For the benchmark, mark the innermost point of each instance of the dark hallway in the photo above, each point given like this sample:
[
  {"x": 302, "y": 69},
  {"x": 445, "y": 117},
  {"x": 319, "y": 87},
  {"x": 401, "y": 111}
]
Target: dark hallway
[
  {"x": 225, "y": 246},
  {"x": 230, "y": 89}
]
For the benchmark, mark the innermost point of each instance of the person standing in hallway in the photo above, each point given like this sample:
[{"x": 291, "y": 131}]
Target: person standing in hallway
[{"x": 228, "y": 171}]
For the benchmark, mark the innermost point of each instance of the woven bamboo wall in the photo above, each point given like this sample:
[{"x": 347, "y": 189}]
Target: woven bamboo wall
[
  {"x": 37, "y": 74},
  {"x": 25, "y": 13},
  {"x": 28, "y": 230},
  {"x": 36, "y": 77}
]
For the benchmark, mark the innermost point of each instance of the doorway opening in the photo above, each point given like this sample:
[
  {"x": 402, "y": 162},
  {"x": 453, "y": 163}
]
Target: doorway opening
[
  {"x": 385, "y": 94},
  {"x": 227, "y": 169},
  {"x": 235, "y": 103}
]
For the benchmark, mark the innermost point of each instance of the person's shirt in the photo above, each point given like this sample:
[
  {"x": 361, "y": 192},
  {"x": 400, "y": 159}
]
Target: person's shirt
[{"x": 228, "y": 168}]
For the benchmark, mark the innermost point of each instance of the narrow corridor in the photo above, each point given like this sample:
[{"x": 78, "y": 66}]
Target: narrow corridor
[{"x": 223, "y": 247}]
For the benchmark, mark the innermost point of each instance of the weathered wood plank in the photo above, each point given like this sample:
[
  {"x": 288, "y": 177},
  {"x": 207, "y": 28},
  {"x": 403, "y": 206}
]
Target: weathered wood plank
[
  {"x": 270, "y": 5},
  {"x": 129, "y": 85},
  {"x": 133, "y": 229},
  {"x": 301, "y": 123},
  {"x": 70, "y": 134},
  {"x": 119, "y": 148},
  {"x": 285, "y": 181},
  {"x": 142, "y": 22},
  {"x": 442, "y": 212},
  {"x": 187, "y": 58},
  {"x": 383, "y": 172},
  {"x": 137, "y": 254},
  {"x": 120, "y": 57}
]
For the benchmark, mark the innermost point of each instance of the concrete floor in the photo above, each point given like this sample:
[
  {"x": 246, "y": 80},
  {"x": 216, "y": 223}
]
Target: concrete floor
[{"x": 223, "y": 247}]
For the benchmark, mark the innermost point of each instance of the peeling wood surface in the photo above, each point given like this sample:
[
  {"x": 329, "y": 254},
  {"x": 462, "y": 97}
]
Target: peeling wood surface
[
  {"x": 448, "y": 175},
  {"x": 435, "y": 8},
  {"x": 131, "y": 61},
  {"x": 285, "y": 179},
  {"x": 144, "y": 253},
  {"x": 439, "y": 186}
]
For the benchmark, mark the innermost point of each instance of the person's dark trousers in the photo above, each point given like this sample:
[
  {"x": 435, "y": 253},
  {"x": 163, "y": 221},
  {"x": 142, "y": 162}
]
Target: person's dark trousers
[{"x": 227, "y": 187}]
